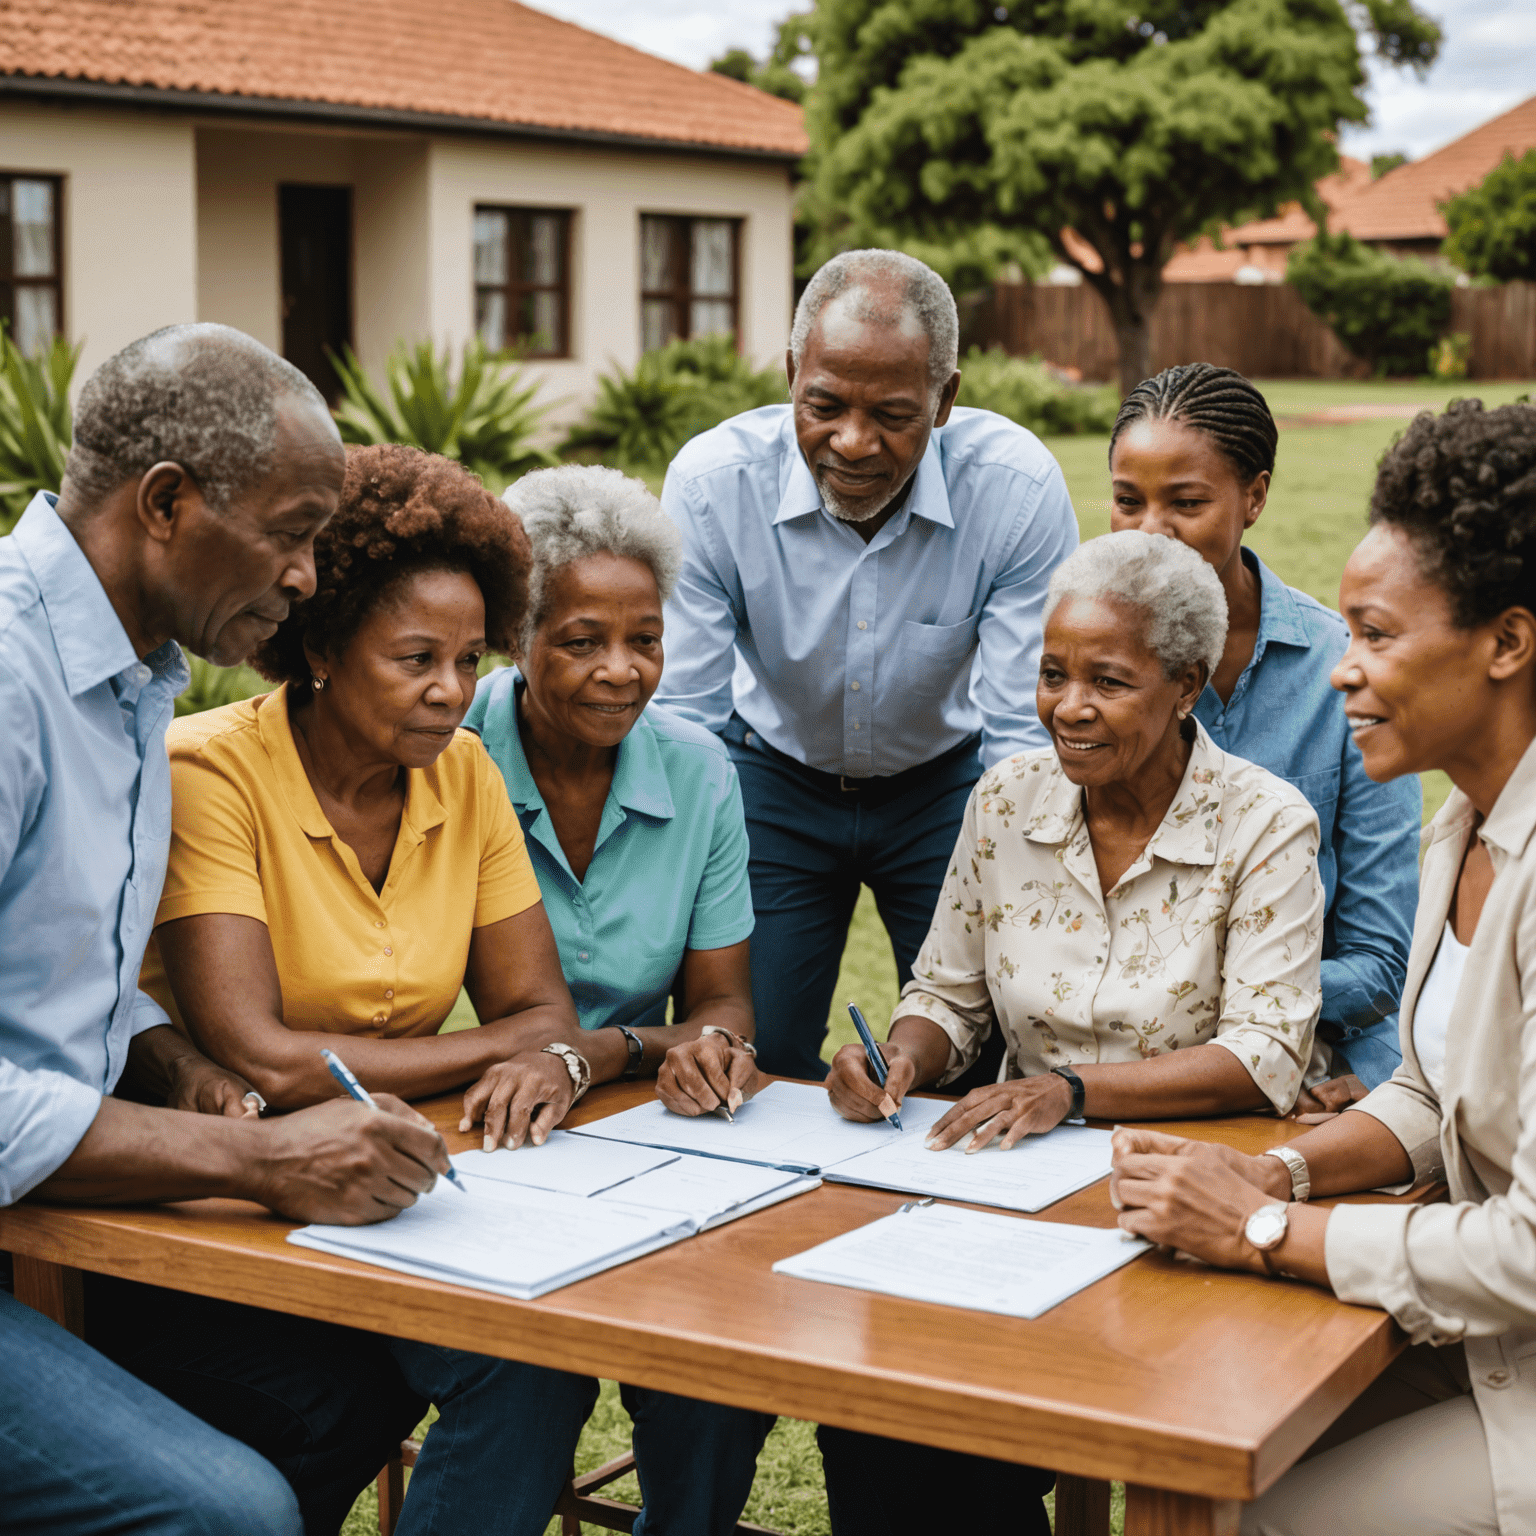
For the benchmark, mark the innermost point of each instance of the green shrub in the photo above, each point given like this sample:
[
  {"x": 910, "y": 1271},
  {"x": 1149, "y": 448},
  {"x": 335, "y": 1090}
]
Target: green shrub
[
  {"x": 212, "y": 686},
  {"x": 1493, "y": 225},
  {"x": 486, "y": 418},
  {"x": 1027, "y": 391},
  {"x": 640, "y": 419},
  {"x": 35, "y": 422},
  {"x": 1452, "y": 356},
  {"x": 1389, "y": 310}
]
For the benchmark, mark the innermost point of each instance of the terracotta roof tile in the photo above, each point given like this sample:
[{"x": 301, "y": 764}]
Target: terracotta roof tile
[
  {"x": 1402, "y": 205},
  {"x": 1293, "y": 223},
  {"x": 493, "y": 61}
]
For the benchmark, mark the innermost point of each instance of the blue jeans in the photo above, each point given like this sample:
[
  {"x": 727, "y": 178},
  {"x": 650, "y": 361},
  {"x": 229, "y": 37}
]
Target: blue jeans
[
  {"x": 328, "y": 1405},
  {"x": 88, "y": 1449},
  {"x": 813, "y": 845}
]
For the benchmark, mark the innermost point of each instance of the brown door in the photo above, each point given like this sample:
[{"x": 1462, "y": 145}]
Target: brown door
[{"x": 316, "y": 232}]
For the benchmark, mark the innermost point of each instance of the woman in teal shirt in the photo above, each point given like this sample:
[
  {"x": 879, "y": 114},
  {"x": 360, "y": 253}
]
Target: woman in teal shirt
[{"x": 633, "y": 820}]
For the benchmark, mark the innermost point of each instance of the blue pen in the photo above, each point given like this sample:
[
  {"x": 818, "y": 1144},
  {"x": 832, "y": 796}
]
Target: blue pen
[
  {"x": 343, "y": 1075},
  {"x": 877, "y": 1068}
]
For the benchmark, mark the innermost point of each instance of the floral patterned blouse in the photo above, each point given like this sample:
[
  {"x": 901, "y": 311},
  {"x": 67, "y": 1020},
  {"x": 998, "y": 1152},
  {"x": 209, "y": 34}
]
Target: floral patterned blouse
[{"x": 1213, "y": 934}]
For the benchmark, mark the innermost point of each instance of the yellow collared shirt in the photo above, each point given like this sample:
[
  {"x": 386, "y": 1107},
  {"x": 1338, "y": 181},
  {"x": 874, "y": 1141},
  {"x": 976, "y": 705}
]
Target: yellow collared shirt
[{"x": 248, "y": 837}]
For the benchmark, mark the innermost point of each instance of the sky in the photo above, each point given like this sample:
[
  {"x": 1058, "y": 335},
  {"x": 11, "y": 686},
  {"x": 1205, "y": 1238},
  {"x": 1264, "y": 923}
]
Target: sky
[{"x": 1484, "y": 67}]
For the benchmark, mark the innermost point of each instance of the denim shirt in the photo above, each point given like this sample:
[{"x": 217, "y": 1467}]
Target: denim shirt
[
  {"x": 1285, "y": 716},
  {"x": 85, "y": 824}
]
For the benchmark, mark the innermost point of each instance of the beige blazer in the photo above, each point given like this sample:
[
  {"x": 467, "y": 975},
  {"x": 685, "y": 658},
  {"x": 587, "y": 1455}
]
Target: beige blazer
[{"x": 1466, "y": 1271}]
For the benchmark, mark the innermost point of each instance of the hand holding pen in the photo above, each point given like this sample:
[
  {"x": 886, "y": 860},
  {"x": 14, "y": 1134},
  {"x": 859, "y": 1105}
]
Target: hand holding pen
[
  {"x": 343, "y": 1075},
  {"x": 877, "y": 1067}
]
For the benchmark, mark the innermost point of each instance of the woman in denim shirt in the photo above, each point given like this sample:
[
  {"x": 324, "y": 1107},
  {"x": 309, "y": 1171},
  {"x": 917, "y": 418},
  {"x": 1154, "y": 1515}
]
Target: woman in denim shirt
[{"x": 1191, "y": 456}]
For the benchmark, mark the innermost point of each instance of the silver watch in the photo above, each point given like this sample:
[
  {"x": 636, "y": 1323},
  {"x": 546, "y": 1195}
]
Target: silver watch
[
  {"x": 1301, "y": 1175},
  {"x": 1267, "y": 1227},
  {"x": 575, "y": 1063},
  {"x": 730, "y": 1037}
]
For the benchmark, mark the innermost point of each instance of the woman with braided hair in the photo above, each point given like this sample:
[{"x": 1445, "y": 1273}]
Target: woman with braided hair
[
  {"x": 1191, "y": 456},
  {"x": 1440, "y": 673}
]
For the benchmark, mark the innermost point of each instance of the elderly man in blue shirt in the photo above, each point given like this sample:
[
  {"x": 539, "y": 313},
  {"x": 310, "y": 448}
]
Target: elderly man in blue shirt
[
  {"x": 858, "y": 614},
  {"x": 203, "y": 466}
]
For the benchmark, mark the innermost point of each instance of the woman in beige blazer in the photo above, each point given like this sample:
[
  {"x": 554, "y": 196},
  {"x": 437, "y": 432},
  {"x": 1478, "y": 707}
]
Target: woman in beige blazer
[{"x": 1441, "y": 673}]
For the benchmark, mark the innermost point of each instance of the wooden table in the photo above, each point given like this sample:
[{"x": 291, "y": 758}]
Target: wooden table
[{"x": 1195, "y": 1387}]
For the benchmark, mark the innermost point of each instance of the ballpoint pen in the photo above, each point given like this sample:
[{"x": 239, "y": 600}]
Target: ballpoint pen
[
  {"x": 877, "y": 1067},
  {"x": 343, "y": 1075}
]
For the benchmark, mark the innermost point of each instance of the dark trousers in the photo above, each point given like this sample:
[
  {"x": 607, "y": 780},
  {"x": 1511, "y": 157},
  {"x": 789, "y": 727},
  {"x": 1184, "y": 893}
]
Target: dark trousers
[
  {"x": 880, "y": 1487},
  {"x": 814, "y": 843}
]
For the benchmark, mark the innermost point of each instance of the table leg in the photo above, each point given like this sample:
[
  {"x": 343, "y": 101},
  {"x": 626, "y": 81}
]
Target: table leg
[
  {"x": 55, "y": 1290},
  {"x": 1082, "y": 1506},
  {"x": 1154, "y": 1512}
]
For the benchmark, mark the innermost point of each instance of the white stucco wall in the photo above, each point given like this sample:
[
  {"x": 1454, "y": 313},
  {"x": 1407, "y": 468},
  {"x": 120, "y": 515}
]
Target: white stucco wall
[
  {"x": 130, "y": 216},
  {"x": 608, "y": 190}
]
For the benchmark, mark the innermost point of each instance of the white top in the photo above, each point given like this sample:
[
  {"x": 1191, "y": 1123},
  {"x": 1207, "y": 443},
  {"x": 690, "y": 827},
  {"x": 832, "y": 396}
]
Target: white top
[{"x": 1432, "y": 1013}]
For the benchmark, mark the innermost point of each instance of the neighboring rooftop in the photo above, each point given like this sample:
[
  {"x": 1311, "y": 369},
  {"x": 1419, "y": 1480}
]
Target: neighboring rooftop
[
  {"x": 494, "y": 63},
  {"x": 1404, "y": 204}
]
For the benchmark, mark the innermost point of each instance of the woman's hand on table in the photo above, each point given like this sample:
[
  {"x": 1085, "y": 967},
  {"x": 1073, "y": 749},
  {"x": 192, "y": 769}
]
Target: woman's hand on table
[
  {"x": 205, "y": 1088},
  {"x": 1023, "y": 1106},
  {"x": 1195, "y": 1196},
  {"x": 856, "y": 1095},
  {"x": 521, "y": 1099},
  {"x": 1327, "y": 1100},
  {"x": 700, "y": 1075}
]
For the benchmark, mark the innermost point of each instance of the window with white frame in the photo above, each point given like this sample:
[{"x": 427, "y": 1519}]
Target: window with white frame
[
  {"x": 522, "y": 280},
  {"x": 689, "y": 278}
]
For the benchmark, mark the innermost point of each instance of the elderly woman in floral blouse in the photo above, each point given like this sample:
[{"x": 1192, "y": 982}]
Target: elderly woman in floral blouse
[{"x": 1139, "y": 912}]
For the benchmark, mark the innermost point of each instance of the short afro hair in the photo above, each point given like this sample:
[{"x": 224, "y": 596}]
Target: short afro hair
[
  {"x": 1462, "y": 487},
  {"x": 402, "y": 512}
]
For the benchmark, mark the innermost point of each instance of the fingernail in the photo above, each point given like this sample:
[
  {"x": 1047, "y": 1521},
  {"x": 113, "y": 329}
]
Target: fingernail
[
  {"x": 887, "y": 1106},
  {"x": 733, "y": 1101},
  {"x": 512, "y": 1145},
  {"x": 465, "y": 1123},
  {"x": 932, "y": 1144},
  {"x": 490, "y": 1143},
  {"x": 538, "y": 1136}
]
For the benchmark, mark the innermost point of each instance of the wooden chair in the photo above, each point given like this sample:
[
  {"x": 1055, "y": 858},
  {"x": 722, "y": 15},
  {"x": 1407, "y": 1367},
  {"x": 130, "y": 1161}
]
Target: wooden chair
[{"x": 577, "y": 1505}]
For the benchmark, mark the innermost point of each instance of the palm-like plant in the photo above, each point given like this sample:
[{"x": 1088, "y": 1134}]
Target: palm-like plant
[
  {"x": 35, "y": 422},
  {"x": 485, "y": 418}
]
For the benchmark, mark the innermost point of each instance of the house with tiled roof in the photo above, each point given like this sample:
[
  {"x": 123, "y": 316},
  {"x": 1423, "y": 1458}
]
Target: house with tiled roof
[{"x": 320, "y": 172}]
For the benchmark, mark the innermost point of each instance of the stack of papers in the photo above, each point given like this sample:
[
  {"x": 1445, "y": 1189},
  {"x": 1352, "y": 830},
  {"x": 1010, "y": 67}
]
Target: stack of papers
[
  {"x": 969, "y": 1259},
  {"x": 543, "y": 1217},
  {"x": 794, "y": 1126}
]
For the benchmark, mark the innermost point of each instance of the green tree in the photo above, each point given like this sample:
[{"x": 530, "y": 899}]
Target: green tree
[
  {"x": 776, "y": 74},
  {"x": 1493, "y": 225},
  {"x": 1381, "y": 164},
  {"x": 1137, "y": 123}
]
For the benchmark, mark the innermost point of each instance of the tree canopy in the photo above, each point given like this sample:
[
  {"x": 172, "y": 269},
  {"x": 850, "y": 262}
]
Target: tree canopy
[
  {"x": 1136, "y": 123},
  {"x": 1493, "y": 226},
  {"x": 776, "y": 74}
]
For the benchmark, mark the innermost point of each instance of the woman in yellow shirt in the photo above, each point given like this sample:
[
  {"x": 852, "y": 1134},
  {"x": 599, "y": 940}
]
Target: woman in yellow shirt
[{"x": 343, "y": 859}]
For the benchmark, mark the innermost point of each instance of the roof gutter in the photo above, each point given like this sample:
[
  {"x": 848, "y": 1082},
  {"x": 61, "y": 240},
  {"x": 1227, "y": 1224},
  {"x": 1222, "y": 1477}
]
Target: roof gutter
[{"x": 273, "y": 109}]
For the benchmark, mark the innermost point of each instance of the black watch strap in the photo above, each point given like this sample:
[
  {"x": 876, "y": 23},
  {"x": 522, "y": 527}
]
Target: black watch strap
[
  {"x": 1079, "y": 1093},
  {"x": 636, "y": 1053}
]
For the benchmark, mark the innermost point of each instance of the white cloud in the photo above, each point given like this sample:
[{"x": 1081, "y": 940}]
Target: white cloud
[{"x": 690, "y": 32}]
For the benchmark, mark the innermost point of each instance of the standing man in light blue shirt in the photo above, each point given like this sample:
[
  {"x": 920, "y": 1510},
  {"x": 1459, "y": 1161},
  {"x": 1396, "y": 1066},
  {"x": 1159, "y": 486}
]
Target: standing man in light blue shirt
[
  {"x": 858, "y": 614},
  {"x": 203, "y": 465}
]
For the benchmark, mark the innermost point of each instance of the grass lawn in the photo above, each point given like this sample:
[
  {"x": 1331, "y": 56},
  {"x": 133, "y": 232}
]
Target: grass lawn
[{"x": 1316, "y": 515}]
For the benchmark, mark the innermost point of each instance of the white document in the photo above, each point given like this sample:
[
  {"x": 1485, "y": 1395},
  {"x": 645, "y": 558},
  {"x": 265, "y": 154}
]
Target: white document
[
  {"x": 503, "y": 1237},
  {"x": 973, "y": 1259},
  {"x": 788, "y": 1125},
  {"x": 1036, "y": 1172},
  {"x": 708, "y": 1191},
  {"x": 572, "y": 1165}
]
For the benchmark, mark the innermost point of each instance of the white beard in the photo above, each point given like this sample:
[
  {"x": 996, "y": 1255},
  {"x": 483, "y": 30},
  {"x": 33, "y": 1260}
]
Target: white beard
[{"x": 842, "y": 511}]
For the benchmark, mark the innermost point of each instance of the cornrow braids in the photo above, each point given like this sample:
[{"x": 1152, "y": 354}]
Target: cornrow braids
[
  {"x": 1462, "y": 486},
  {"x": 1217, "y": 401}
]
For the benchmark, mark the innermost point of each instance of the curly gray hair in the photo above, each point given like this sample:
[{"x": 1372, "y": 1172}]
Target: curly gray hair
[
  {"x": 924, "y": 293},
  {"x": 1181, "y": 595},
  {"x": 577, "y": 510},
  {"x": 205, "y": 397}
]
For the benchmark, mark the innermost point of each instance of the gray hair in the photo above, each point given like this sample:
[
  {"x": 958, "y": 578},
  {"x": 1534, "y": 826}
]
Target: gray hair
[
  {"x": 1178, "y": 591},
  {"x": 924, "y": 294},
  {"x": 577, "y": 510},
  {"x": 205, "y": 397}
]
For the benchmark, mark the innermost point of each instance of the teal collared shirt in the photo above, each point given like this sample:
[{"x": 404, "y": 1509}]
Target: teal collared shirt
[{"x": 668, "y": 873}]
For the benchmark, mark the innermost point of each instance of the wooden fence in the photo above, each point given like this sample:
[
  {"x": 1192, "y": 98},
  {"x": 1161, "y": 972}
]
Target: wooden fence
[{"x": 1264, "y": 331}]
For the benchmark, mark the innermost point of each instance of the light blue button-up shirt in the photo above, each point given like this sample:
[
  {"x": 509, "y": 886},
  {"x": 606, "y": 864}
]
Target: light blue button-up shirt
[
  {"x": 668, "y": 874},
  {"x": 85, "y": 822},
  {"x": 1284, "y": 715},
  {"x": 854, "y": 658}
]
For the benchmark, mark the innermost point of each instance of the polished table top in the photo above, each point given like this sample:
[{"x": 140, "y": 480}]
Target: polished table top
[{"x": 1166, "y": 1373}]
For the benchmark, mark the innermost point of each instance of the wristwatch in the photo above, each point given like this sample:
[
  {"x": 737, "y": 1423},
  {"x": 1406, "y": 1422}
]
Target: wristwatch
[
  {"x": 730, "y": 1038},
  {"x": 1079, "y": 1093},
  {"x": 636, "y": 1053},
  {"x": 575, "y": 1063},
  {"x": 1301, "y": 1175},
  {"x": 1266, "y": 1229}
]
